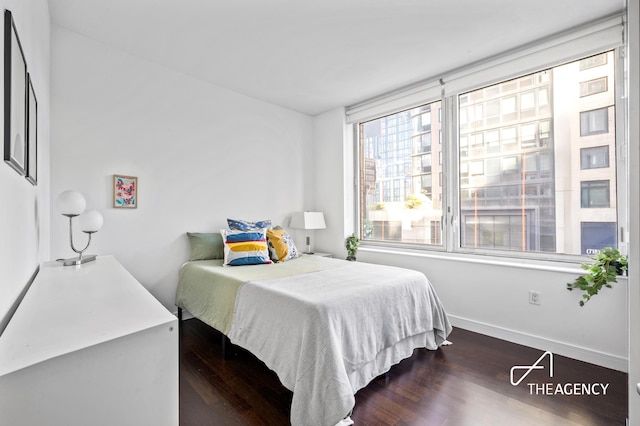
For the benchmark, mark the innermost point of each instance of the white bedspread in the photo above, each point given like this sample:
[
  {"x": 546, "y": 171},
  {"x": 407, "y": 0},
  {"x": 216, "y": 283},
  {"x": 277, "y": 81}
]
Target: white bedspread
[{"x": 329, "y": 333}]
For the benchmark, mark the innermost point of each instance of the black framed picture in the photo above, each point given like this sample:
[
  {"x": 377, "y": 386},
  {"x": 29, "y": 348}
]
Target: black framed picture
[
  {"x": 15, "y": 98},
  {"x": 32, "y": 134}
]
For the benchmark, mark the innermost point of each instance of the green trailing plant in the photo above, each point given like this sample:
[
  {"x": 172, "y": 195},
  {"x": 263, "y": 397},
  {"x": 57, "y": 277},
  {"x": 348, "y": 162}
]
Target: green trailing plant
[
  {"x": 351, "y": 243},
  {"x": 609, "y": 263}
]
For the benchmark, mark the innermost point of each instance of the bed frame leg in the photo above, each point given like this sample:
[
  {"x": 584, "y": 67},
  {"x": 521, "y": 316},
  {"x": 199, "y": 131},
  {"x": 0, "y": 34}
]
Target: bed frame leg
[{"x": 227, "y": 353}]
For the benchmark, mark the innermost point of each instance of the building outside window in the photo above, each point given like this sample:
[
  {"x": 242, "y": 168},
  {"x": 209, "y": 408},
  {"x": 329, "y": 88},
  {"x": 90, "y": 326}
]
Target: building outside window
[{"x": 526, "y": 150}]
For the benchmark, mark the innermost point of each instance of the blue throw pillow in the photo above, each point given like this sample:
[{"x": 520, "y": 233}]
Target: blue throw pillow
[{"x": 244, "y": 225}]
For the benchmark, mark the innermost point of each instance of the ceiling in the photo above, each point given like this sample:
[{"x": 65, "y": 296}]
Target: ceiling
[{"x": 315, "y": 55}]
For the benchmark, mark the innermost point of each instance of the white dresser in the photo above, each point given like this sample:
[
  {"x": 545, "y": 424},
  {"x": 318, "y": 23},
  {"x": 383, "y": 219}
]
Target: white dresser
[{"x": 89, "y": 345}]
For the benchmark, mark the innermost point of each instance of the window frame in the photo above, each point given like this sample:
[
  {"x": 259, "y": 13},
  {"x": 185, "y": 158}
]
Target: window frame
[{"x": 450, "y": 225}]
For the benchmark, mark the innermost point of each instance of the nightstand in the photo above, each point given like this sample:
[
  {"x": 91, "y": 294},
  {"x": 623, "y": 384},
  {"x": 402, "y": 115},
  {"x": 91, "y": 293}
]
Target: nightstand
[{"x": 317, "y": 253}]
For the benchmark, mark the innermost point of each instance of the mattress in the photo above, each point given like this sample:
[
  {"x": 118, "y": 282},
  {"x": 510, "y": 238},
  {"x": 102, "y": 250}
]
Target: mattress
[{"x": 327, "y": 327}]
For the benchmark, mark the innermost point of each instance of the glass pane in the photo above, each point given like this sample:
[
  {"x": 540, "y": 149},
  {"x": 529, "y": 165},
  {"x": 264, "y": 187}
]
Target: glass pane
[
  {"x": 594, "y": 122},
  {"x": 398, "y": 200},
  {"x": 596, "y": 236},
  {"x": 595, "y": 194},
  {"x": 532, "y": 192},
  {"x": 594, "y": 158}
]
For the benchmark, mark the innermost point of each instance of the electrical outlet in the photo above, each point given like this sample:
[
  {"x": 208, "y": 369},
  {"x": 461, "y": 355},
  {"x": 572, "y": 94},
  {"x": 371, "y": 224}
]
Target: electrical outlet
[{"x": 534, "y": 297}]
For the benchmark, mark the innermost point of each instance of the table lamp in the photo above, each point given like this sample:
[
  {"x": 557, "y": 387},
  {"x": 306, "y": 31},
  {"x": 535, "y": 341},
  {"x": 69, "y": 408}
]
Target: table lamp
[
  {"x": 72, "y": 204},
  {"x": 308, "y": 220}
]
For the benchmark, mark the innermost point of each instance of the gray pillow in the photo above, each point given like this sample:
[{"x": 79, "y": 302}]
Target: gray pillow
[{"x": 206, "y": 246}]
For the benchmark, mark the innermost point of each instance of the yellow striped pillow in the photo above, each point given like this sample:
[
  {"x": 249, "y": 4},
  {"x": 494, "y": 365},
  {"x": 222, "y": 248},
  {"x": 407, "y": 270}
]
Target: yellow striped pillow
[{"x": 245, "y": 247}]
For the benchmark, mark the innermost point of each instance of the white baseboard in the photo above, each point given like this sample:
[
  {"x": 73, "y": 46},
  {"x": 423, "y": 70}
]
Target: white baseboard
[{"x": 576, "y": 352}]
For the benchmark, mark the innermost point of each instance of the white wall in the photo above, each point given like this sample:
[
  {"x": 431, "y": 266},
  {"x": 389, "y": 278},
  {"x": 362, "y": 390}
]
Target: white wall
[
  {"x": 485, "y": 295},
  {"x": 333, "y": 183},
  {"x": 24, "y": 211},
  {"x": 493, "y": 299},
  {"x": 201, "y": 154}
]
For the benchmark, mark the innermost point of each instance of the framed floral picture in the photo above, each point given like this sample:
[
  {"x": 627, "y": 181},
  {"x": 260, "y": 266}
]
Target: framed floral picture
[{"x": 125, "y": 191}]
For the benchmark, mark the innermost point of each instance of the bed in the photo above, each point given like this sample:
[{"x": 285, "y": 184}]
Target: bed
[{"x": 325, "y": 326}]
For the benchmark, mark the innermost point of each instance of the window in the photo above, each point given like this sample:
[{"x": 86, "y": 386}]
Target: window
[
  {"x": 528, "y": 135},
  {"x": 593, "y": 61},
  {"x": 393, "y": 218},
  {"x": 592, "y": 87},
  {"x": 594, "y": 122},
  {"x": 476, "y": 168},
  {"x": 422, "y": 143},
  {"x": 498, "y": 231},
  {"x": 527, "y": 181},
  {"x": 508, "y": 107},
  {"x": 596, "y": 236},
  {"x": 594, "y": 194},
  {"x": 492, "y": 139},
  {"x": 594, "y": 158},
  {"x": 509, "y": 164},
  {"x": 508, "y": 135},
  {"x": 527, "y": 101},
  {"x": 526, "y": 217},
  {"x": 543, "y": 96},
  {"x": 493, "y": 111}
]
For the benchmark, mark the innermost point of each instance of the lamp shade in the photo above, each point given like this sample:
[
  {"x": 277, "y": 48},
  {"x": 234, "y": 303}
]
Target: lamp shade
[
  {"x": 307, "y": 220},
  {"x": 91, "y": 221},
  {"x": 71, "y": 203}
]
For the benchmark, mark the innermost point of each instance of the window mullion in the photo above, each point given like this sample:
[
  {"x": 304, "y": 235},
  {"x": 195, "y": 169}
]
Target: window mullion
[
  {"x": 621, "y": 114},
  {"x": 450, "y": 139}
]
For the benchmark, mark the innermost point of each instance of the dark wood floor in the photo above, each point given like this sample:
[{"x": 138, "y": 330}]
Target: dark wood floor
[{"x": 467, "y": 383}]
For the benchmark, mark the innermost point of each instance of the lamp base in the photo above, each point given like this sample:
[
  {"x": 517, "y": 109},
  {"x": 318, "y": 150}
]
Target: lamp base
[{"x": 75, "y": 261}]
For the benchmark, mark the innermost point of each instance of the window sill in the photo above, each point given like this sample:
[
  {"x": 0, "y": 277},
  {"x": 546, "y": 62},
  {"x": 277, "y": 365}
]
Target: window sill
[{"x": 536, "y": 264}]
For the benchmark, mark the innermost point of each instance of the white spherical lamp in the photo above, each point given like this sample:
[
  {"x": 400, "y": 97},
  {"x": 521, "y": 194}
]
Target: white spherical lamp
[
  {"x": 71, "y": 203},
  {"x": 91, "y": 221}
]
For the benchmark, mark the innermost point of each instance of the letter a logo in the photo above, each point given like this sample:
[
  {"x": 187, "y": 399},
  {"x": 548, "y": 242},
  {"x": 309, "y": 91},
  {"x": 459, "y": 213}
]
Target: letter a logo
[{"x": 529, "y": 368}]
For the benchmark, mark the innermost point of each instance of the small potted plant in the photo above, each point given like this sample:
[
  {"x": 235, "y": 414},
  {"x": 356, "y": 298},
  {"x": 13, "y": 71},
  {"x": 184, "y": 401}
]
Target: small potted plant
[
  {"x": 351, "y": 244},
  {"x": 609, "y": 263}
]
